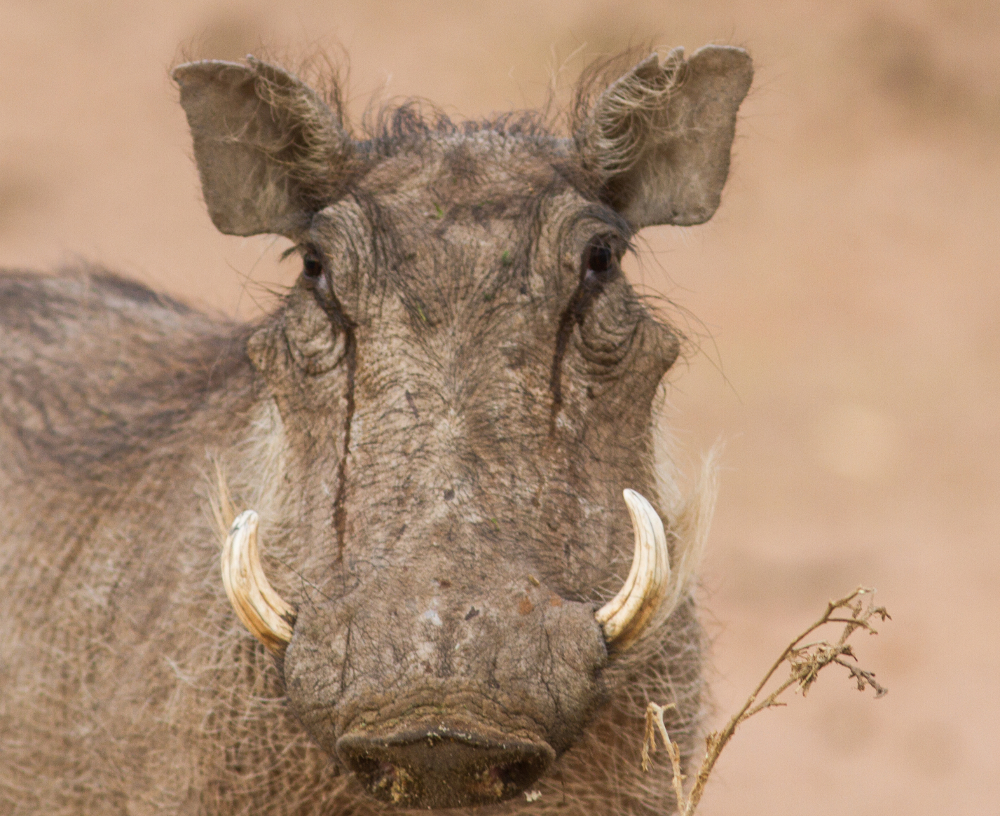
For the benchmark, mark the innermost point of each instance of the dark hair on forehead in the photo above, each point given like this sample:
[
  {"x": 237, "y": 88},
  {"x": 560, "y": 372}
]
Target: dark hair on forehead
[{"x": 397, "y": 125}]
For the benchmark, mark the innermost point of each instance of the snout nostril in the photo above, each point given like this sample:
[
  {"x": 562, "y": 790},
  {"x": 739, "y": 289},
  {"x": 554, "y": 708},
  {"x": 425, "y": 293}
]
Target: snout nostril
[
  {"x": 385, "y": 780},
  {"x": 382, "y": 776},
  {"x": 502, "y": 781},
  {"x": 433, "y": 770},
  {"x": 515, "y": 775}
]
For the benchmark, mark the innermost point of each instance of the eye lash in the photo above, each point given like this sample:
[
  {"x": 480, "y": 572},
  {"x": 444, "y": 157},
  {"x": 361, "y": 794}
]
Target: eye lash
[{"x": 308, "y": 252}]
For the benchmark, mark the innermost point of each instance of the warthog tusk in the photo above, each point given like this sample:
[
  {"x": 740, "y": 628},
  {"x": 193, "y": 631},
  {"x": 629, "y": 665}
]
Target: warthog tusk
[
  {"x": 624, "y": 616},
  {"x": 257, "y": 605}
]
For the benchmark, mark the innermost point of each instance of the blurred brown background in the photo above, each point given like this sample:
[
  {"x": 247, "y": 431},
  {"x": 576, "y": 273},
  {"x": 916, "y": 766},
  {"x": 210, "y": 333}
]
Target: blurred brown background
[{"x": 844, "y": 299}]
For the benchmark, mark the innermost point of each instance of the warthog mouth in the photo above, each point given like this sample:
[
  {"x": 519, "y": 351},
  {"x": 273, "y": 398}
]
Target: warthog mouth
[
  {"x": 444, "y": 767},
  {"x": 419, "y": 761}
]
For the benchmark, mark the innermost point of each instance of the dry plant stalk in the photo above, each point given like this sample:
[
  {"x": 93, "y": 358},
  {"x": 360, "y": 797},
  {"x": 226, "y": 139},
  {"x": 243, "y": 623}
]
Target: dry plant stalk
[{"x": 805, "y": 661}]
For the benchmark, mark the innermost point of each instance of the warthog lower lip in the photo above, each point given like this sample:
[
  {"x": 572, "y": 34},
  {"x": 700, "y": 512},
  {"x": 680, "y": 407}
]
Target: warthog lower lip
[{"x": 444, "y": 767}]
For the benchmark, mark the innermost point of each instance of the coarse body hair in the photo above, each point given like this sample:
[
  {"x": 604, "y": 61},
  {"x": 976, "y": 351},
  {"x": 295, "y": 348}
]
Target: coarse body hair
[{"x": 121, "y": 658}]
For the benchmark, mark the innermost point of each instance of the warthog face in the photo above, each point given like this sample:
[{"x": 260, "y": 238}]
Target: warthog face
[{"x": 464, "y": 381}]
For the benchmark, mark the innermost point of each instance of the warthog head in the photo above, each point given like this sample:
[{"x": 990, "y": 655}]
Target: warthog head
[{"x": 462, "y": 384}]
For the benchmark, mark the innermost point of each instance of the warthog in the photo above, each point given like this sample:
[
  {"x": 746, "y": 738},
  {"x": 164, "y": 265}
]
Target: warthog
[{"x": 432, "y": 593}]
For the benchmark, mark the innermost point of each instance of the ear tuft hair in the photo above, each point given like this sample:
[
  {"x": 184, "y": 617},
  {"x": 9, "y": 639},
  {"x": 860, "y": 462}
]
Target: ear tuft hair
[
  {"x": 660, "y": 135},
  {"x": 270, "y": 152}
]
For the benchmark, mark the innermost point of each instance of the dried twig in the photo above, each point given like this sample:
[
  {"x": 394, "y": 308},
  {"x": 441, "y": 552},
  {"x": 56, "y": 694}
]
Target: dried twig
[{"x": 805, "y": 661}]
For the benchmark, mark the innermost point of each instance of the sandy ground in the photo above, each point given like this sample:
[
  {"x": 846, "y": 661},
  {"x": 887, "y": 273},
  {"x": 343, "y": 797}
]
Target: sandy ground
[{"x": 844, "y": 300}]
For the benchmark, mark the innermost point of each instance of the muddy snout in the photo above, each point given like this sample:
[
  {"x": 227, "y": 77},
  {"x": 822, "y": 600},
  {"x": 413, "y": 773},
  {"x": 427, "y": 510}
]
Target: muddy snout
[
  {"x": 443, "y": 767},
  {"x": 446, "y": 696}
]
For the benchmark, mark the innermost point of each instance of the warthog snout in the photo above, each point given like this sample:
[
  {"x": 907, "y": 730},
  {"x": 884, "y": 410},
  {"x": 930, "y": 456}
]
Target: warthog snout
[{"x": 444, "y": 767}]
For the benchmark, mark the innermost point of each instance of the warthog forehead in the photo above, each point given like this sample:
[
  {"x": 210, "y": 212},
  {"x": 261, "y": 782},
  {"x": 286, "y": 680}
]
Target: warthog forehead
[{"x": 472, "y": 164}]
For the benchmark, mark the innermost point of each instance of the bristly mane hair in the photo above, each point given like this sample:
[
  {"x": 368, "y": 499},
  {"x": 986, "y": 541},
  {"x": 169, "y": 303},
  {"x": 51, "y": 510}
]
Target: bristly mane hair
[
  {"x": 390, "y": 123},
  {"x": 387, "y": 124}
]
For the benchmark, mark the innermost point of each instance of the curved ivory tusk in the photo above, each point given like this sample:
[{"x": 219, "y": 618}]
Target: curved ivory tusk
[
  {"x": 624, "y": 616},
  {"x": 257, "y": 605}
]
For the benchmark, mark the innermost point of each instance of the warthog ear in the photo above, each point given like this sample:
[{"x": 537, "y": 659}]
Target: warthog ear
[
  {"x": 660, "y": 135},
  {"x": 269, "y": 151}
]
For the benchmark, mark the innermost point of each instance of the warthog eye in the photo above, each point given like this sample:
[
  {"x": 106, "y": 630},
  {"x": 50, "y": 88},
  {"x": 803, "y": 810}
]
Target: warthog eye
[
  {"x": 600, "y": 258},
  {"x": 312, "y": 267},
  {"x": 314, "y": 271},
  {"x": 600, "y": 262}
]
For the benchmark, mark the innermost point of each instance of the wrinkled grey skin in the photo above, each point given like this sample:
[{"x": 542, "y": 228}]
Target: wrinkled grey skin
[{"x": 435, "y": 426}]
